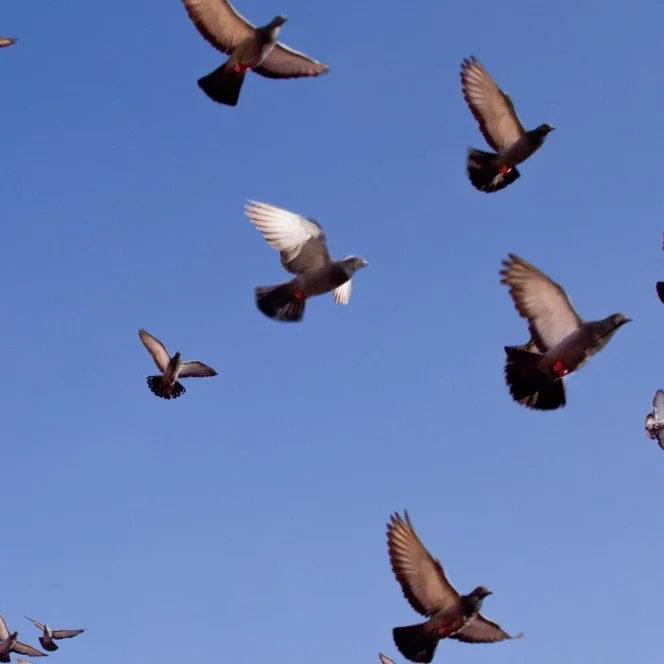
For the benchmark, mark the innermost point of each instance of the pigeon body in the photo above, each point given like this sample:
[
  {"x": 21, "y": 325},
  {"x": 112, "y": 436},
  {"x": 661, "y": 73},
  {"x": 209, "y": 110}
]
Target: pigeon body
[
  {"x": 249, "y": 48},
  {"x": 9, "y": 643},
  {"x": 49, "y": 636},
  {"x": 561, "y": 341},
  {"x": 655, "y": 419},
  {"x": 660, "y": 284},
  {"x": 6, "y": 41},
  {"x": 425, "y": 586},
  {"x": 167, "y": 386},
  {"x": 302, "y": 246},
  {"x": 501, "y": 128}
]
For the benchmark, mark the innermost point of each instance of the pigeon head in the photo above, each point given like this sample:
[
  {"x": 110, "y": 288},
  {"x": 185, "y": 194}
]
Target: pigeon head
[
  {"x": 481, "y": 592},
  {"x": 276, "y": 22},
  {"x": 545, "y": 129},
  {"x": 352, "y": 264},
  {"x": 618, "y": 320}
]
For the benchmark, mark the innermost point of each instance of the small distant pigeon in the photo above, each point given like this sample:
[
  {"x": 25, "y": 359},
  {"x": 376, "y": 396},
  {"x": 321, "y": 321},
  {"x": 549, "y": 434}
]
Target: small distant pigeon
[
  {"x": 6, "y": 41},
  {"x": 425, "y": 586},
  {"x": 10, "y": 643},
  {"x": 167, "y": 386},
  {"x": 655, "y": 419},
  {"x": 501, "y": 128},
  {"x": 250, "y": 48},
  {"x": 660, "y": 284},
  {"x": 51, "y": 635},
  {"x": 302, "y": 245},
  {"x": 561, "y": 341}
]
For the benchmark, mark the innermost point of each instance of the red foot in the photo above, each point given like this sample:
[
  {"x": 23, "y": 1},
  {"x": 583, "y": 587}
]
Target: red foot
[
  {"x": 240, "y": 68},
  {"x": 299, "y": 295},
  {"x": 443, "y": 630},
  {"x": 504, "y": 169},
  {"x": 559, "y": 369}
]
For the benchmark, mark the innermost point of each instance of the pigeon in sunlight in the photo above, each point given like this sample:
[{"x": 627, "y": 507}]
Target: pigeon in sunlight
[
  {"x": 302, "y": 245},
  {"x": 49, "y": 636},
  {"x": 249, "y": 48},
  {"x": 172, "y": 368},
  {"x": 10, "y": 643},
  {"x": 6, "y": 41},
  {"x": 660, "y": 284},
  {"x": 655, "y": 419},
  {"x": 561, "y": 341},
  {"x": 501, "y": 128},
  {"x": 425, "y": 586}
]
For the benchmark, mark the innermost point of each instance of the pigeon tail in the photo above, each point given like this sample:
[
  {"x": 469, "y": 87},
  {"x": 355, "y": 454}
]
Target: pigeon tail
[
  {"x": 660, "y": 290},
  {"x": 162, "y": 389},
  {"x": 415, "y": 642},
  {"x": 486, "y": 174},
  {"x": 549, "y": 397},
  {"x": 51, "y": 646},
  {"x": 528, "y": 385},
  {"x": 223, "y": 85},
  {"x": 280, "y": 303}
]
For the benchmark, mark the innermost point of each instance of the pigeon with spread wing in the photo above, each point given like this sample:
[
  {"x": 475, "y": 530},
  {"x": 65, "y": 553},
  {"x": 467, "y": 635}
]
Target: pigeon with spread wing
[
  {"x": 9, "y": 643},
  {"x": 49, "y": 636}
]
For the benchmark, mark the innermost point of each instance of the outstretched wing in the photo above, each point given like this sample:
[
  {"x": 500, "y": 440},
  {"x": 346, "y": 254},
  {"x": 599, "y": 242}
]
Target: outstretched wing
[
  {"x": 195, "y": 370},
  {"x": 490, "y": 106},
  {"x": 285, "y": 62},
  {"x": 36, "y": 623},
  {"x": 66, "y": 633},
  {"x": 6, "y": 41},
  {"x": 421, "y": 576},
  {"x": 156, "y": 349},
  {"x": 28, "y": 651},
  {"x": 482, "y": 630}
]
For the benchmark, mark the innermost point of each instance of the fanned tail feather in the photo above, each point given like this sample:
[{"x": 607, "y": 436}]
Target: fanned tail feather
[
  {"x": 484, "y": 171},
  {"x": 162, "y": 389}
]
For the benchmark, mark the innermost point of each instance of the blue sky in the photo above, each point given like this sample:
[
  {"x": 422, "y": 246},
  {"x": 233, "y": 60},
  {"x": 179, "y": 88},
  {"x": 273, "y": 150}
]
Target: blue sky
[{"x": 245, "y": 522}]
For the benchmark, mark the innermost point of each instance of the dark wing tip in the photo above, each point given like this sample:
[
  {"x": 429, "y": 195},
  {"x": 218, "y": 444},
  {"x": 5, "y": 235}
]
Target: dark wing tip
[{"x": 660, "y": 291}]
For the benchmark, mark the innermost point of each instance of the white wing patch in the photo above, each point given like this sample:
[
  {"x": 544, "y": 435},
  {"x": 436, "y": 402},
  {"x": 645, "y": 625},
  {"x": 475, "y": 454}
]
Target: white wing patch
[
  {"x": 341, "y": 293},
  {"x": 282, "y": 229},
  {"x": 658, "y": 406}
]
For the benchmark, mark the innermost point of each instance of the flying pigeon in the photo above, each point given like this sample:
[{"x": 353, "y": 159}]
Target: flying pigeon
[
  {"x": 660, "y": 284},
  {"x": 302, "y": 245},
  {"x": 425, "y": 586},
  {"x": 384, "y": 659},
  {"x": 6, "y": 41},
  {"x": 167, "y": 386},
  {"x": 10, "y": 643},
  {"x": 655, "y": 419},
  {"x": 51, "y": 635},
  {"x": 562, "y": 341},
  {"x": 502, "y": 130},
  {"x": 249, "y": 48}
]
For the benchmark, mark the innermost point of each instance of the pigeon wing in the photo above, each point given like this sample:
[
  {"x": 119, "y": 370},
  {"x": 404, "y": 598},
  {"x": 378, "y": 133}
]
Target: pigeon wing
[
  {"x": 284, "y": 62},
  {"x": 196, "y": 370},
  {"x": 490, "y": 106},
  {"x": 658, "y": 406},
  {"x": 6, "y": 41},
  {"x": 482, "y": 630},
  {"x": 660, "y": 438},
  {"x": 541, "y": 301},
  {"x": 36, "y": 623},
  {"x": 421, "y": 576},
  {"x": 156, "y": 349},
  {"x": 66, "y": 633},
  {"x": 341, "y": 293},
  {"x": 4, "y": 632},
  {"x": 300, "y": 241},
  {"x": 384, "y": 659},
  {"x": 28, "y": 651},
  {"x": 219, "y": 23}
]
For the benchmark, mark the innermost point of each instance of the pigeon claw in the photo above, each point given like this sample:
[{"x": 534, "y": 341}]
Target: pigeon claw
[
  {"x": 559, "y": 369},
  {"x": 299, "y": 295},
  {"x": 504, "y": 169},
  {"x": 240, "y": 68}
]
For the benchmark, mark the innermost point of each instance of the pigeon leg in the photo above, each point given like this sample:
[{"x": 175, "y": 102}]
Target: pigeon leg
[
  {"x": 505, "y": 169},
  {"x": 560, "y": 369},
  {"x": 240, "y": 68}
]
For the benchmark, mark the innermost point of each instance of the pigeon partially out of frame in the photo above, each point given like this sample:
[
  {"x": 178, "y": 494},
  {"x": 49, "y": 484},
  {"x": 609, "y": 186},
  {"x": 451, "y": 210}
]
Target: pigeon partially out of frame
[
  {"x": 249, "y": 48},
  {"x": 425, "y": 586},
  {"x": 49, "y": 636},
  {"x": 10, "y": 643},
  {"x": 561, "y": 341},
  {"x": 302, "y": 245},
  {"x": 501, "y": 128},
  {"x": 6, "y": 41},
  {"x": 167, "y": 386},
  {"x": 660, "y": 284},
  {"x": 655, "y": 419}
]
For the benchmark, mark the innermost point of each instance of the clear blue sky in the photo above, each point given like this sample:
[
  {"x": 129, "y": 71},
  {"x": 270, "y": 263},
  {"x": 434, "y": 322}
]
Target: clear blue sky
[{"x": 245, "y": 522}]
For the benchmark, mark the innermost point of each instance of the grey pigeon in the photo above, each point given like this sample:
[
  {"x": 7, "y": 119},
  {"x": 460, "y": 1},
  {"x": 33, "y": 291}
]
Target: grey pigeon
[
  {"x": 501, "y": 128},
  {"x": 49, "y": 635},
  {"x": 425, "y": 586},
  {"x": 302, "y": 245},
  {"x": 655, "y": 419},
  {"x": 384, "y": 659},
  {"x": 563, "y": 342},
  {"x": 6, "y": 41},
  {"x": 249, "y": 48},
  {"x": 660, "y": 284},
  {"x": 9, "y": 643},
  {"x": 167, "y": 385}
]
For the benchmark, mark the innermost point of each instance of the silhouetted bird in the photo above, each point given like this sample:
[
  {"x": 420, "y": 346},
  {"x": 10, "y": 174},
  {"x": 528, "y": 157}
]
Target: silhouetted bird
[
  {"x": 563, "y": 342},
  {"x": 249, "y": 48},
  {"x": 303, "y": 249},
  {"x": 425, "y": 586},
  {"x": 167, "y": 386},
  {"x": 49, "y": 636},
  {"x": 502, "y": 130}
]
